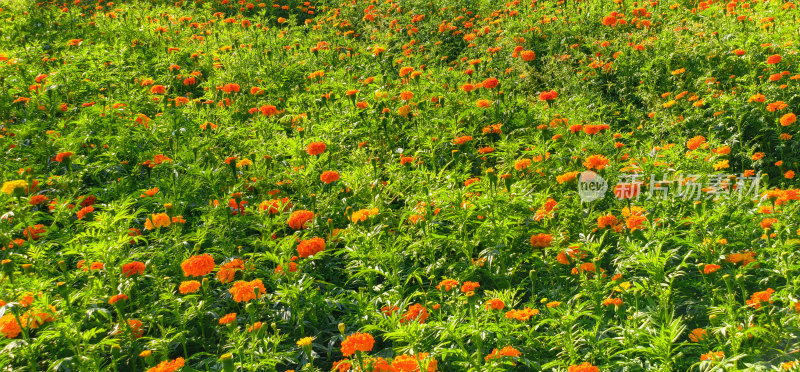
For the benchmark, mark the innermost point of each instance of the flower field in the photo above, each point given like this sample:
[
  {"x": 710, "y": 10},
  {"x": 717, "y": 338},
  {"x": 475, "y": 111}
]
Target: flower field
[{"x": 421, "y": 185}]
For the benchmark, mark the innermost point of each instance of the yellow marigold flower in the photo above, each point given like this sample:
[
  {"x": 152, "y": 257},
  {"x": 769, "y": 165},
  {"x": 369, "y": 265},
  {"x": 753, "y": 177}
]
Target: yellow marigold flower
[
  {"x": 11, "y": 186},
  {"x": 305, "y": 341}
]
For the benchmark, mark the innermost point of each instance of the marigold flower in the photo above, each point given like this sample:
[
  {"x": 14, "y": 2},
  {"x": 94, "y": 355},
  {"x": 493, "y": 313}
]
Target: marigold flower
[
  {"x": 508, "y": 351},
  {"x": 710, "y": 268},
  {"x": 483, "y": 103},
  {"x": 697, "y": 335},
  {"x": 310, "y": 247},
  {"x": 415, "y": 312},
  {"x": 711, "y": 355},
  {"x": 116, "y": 298},
  {"x": 63, "y": 156},
  {"x": 199, "y": 265},
  {"x": 788, "y": 119},
  {"x": 695, "y": 142},
  {"x": 521, "y": 315},
  {"x": 243, "y": 291},
  {"x": 315, "y": 148},
  {"x": 468, "y": 286},
  {"x": 274, "y": 206},
  {"x": 157, "y": 220},
  {"x": 777, "y": 106},
  {"x": 190, "y": 286},
  {"x": 305, "y": 341},
  {"x": 548, "y": 96},
  {"x": 228, "y": 318},
  {"x": 14, "y": 186},
  {"x": 635, "y": 222},
  {"x": 495, "y": 304},
  {"x": 583, "y": 367},
  {"x": 522, "y": 164},
  {"x": 133, "y": 268},
  {"x": 598, "y": 162},
  {"x": 528, "y": 55},
  {"x": 168, "y": 366},
  {"x": 357, "y": 342},
  {"x": 758, "y": 298},
  {"x": 9, "y": 327},
  {"x": 329, "y": 176},
  {"x": 743, "y": 258},
  {"x": 490, "y": 83},
  {"x": 227, "y": 271},
  {"x": 447, "y": 284},
  {"x": 299, "y": 218},
  {"x": 462, "y": 140},
  {"x": 541, "y": 240},
  {"x": 773, "y": 59}
]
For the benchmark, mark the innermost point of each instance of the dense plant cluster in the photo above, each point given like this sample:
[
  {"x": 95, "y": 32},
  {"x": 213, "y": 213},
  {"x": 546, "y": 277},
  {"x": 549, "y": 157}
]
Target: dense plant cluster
[{"x": 396, "y": 185}]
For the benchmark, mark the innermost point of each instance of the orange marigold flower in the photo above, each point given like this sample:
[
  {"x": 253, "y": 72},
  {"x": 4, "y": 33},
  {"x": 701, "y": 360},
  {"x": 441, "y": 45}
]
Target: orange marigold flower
[
  {"x": 228, "y": 318},
  {"x": 243, "y": 291},
  {"x": 199, "y": 265},
  {"x": 712, "y": 355},
  {"x": 508, "y": 351},
  {"x": 490, "y": 83},
  {"x": 635, "y": 222},
  {"x": 469, "y": 286},
  {"x": 190, "y": 286},
  {"x": 495, "y": 304},
  {"x": 598, "y": 162},
  {"x": 298, "y": 219},
  {"x": 521, "y": 315},
  {"x": 116, "y": 298},
  {"x": 710, "y": 268},
  {"x": 9, "y": 327},
  {"x": 415, "y": 312},
  {"x": 773, "y": 59},
  {"x": 583, "y": 367},
  {"x": 566, "y": 177},
  {"x": 274, "y": 206},
  {"x": 743, "y": 258},
  {"x": 697, "y": 335},
  {"x": 483, "y": 103},
  {"x": 776, "y": 106},
  {"x": 447, "y": 284},
  {"x": 315, "y": 148},
  {"x": 612, "y": 301},
  {"x": 227, "y": 271},
  {"x": 34, "y": 232},
  {"x": 548, "y": 96},
  {"x": 695, "y": 142},
  {"x": 157, "y": 220},
  {"x": 462, "y": 140},
  {"x": 522, "y": 164},
  {"x": 357, "y": 342},
  {"x": 133, "y": 268},
  {"x": 528, "y": 55},
  {"x": 788, "y": 119},
  {"x": 758, "y": 298},
  {"x": 608, "y": 220},
  {"x": 310, "y": 247},
  {"x": 168, "y": 366},
  {"x": 541, "y": 240},
  {"x": 329, "y": 176}
]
